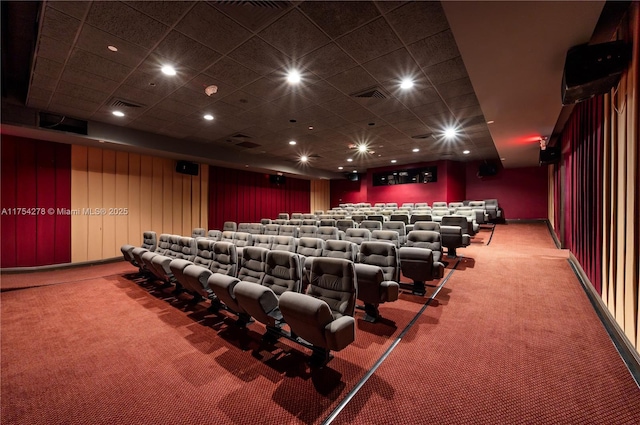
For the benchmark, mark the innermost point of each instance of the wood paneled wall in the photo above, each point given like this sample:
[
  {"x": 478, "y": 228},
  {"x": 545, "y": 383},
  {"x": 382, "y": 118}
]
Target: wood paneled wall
[
  {"x": 320, "y": 195},
  {"x": 115, "y": 196}
]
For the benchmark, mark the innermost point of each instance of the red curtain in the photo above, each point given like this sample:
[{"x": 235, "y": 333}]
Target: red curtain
[
  {"x": 578, "y": 187},
  {"x": 36, "y": 176},
  {"x": 246, "y": 197}
]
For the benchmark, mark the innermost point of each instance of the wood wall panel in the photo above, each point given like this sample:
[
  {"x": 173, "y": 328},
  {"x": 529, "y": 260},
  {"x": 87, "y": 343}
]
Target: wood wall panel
[
  {"x": 135, "y": 193},
  {"x": 320, "y": 196}
]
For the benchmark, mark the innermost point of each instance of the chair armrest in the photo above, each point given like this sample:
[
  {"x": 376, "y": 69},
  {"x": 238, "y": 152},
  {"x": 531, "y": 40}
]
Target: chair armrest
[
  {"x": 390, "y": 290},
  {"x": 438, "y": 270},
  {"x": 340, "y": 333}
]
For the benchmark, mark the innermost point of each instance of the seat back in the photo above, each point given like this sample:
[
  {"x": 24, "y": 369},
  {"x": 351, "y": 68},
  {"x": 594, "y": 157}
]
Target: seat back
[
  {"x": 371, "y": 225},
  {"x": 283, "y": 272},
  {"x": 187, "y": 248},
  {"x": 308, "y": 216},
  {"x": 308, "y": 231},
  {"x": 420, "y": 217},
  {"x": 242, "y": 239},
  {"x": 383, "y": 255},
  {"x": 296, "y": 216},
  {"x": 227, "y": 236},
  {"x": 253, "y": 264},
  {"x": 340, "y": 249},
  {"x": 440, "y": 205},
  {"x": 164, "y": 244},
  {"x": 327, "y": 222},
  {"x": 345, "y": 224},
  {"x": 288, "y": 230},
  {"x": 477, "y": 205},
  {"x": 357, "y": 236},
  {"x": 263, "y": 241},
  {"x": 310, "y": 247},
  {"x": 455, "y": 220},
  {"x": 380, "y": 205},
  {"x": 388, "y": 236},
  {"x": 204, "y": 253},
  {"x": 427, "y": 225},
  {"x": 149, "y": 240},
  {"x": 284, "y": 243},
  {"x": 310, "y": 222},
  {"x": 265, "y": 221},
  {"x": 419, "y": 205},
  {"x": 399, "y": 217},
  {"x": 409, "y": 205},
  {"x": 244, "y": 227},
  {"x": 333, "y": 280},
  {"x": 453, "y": 206},
  {"x": 424, "y": 239},
  {"x": 229, "y": 226},
  {"x": 392, "y": 205},
  {"x": 396, "y": 226},
  {"x": 215, "y": 235},
  {"x": 225, "y": 258},
  {"x": 271, "y": 229},
  {"x": 358, "y": 218},
  {"x": 280, "y": 221},
  {"x": 328, "y": 233},
  {"x": 283, "y": 216},
  {"x": 294, "y": 222},
  {"x": 438, "y": 213},
  {"x": 375, "y": 217},
  {"x": 198, "y": 232}
]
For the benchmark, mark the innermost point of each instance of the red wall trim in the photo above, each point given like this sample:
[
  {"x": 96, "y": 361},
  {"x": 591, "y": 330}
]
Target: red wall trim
[{"x": 36, "y": 176}]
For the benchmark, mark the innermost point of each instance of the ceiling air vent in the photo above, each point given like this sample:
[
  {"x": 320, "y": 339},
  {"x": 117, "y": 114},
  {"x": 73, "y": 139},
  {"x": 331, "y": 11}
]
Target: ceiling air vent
[
  {"x": 422, "y": 136},
  {"x": 123, "y": 104},
  {"x": 371, "y": 92}
]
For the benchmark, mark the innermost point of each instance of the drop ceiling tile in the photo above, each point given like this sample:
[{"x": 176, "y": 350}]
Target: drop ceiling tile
[
  {"x": 184, "y": 51},
  {"x": 446, "y": 71},
  {"x": 40, "y": 94},
  {"x": 259, "y": 56},
  {"x": 52, "y": 49},
  {"x": 294, "y": 34},
  {"x": 81, "y": 92},
  {"x": 435, "y": 49},
  {"x": 253, "y": 15},
  {"x": 212, "y": 28},
  {"x": 59, "y": 99},
  {"x": 59, "y": 26},
  {"x": 387, "y": 6},
  {"x": 47, "y": 68},
  {"x": 328, "y": 60},
  {"x": 231, "y": 72},
  {"x": 176, "y": 107},
  {"x": 126, "y": 22},
  {"x": 434, "y": 108},
  {"x": 69, "y": 110},
  {"x": 221, "y": 109},
  {"x": 96, "y": 41},
  {"x": 327, "y": 123},
  {"x": 415, "y": 98},
  {"x": 398, "y": 116},
  {"x": 93, "y": 64},
  {"x": 336, "y": 18},
  {"x": 320, "y": 92},
  {"x": 242, "y": 100},
  {"x": 370, "y": 41},
  {"x": 35, "y": 103},
  {"x": 473, "y": 113},
  {"x": 381, "y": 106},
  {"x": 417, "y": 20},
  {"x": 77, "y": 9},
  {"x": 358, "y": 114},
  {"x": 267, "y": 89},
  {"x": 43, "y": 82},
  {"x": 455, "y": 88},
  {"x": 340, "y": 105},
  {"x": 136, "y": 95},
  {"x": 352, "y": 81},
  {"x": 167, "y": 12},
  {"x": 393, "y": 66},
  {"x": 193, "y": 96}
]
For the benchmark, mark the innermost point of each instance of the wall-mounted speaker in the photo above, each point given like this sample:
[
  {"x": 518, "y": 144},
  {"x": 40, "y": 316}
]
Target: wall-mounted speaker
[
  {"x": 277, "y": 179},
  {"x": 186, "y": 167},
  {"x": 354, "y": 177},
  {"x": 487, "y": 169},
  {"x": 550, "y": 155},
  {"x": 590, "y": 70}
]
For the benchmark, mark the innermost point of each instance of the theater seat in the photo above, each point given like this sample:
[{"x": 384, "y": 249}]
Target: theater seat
[
  {"x": 184, "y": 249},
  {"x": 399, "y": 227},
  {"x": 193, "y": 276},
  {"x": 323, "y": 317},
  {"x": 492, "y": 209},
  {"x": 453, "y": 237},
  {"x": 198, "y": 232},
  {"x": 284, "y": 243},
  {"x": 230, "y": 226},
  {"x": 357, "y": 236},
  {"x": 263, "y": 241},
  {"x": 260, "y": 299},
  {"x": 426, "y": 239},
  {"x": 418, "y": 265},
  {"x": 149, "y": 243},
  {"x": 377, "y": 273},
  {"x": 388, "y": 236},
  {"x": 214, "y": 235},
  {"x": 328, "y": 233}
]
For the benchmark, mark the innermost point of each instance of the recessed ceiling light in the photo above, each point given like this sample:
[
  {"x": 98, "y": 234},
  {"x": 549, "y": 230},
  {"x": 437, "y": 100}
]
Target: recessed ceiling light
[
  {"x": 450, "y": 133},
  {"x": 208, "y": 117},
  {"x": 393, "y": 161},
  {"x": 112, "y": 48},
  {"x": 304, "y": 158},
  {"x": 349, "y": 160},
  {"x": 503, "y": 159},
  {"x": 293, "y": 77},
  {"x": 416, "y": 150},
  {"x": 310, "y": 127},
  {"x": 168, "y": 70},
  {"x": 466, "y": 152},
  {"x": 118, "y": 113},
  {"x": 490, "y": 122},
  {"x": 355, "y": 171},
  {"x": 292, "y": 142},
  {"x": 340, "y": 168},
  {"x": 406, "y": 84},
  {"x": 362, "y": 148}
]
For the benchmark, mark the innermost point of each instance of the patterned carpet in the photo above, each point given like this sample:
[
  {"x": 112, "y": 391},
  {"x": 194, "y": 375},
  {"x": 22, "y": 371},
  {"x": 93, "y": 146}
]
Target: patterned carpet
[{"x": 510, "y": 338}]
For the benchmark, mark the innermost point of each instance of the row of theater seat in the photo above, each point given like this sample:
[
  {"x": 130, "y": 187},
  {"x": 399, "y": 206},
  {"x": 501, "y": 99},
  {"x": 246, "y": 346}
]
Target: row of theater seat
[{"x": 255, "y": 286}]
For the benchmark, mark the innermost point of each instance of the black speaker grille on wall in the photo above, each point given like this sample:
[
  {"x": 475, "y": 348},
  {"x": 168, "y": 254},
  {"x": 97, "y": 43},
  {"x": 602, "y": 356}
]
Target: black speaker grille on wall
[
  {"x": 277, "y": 179},
  {"x": 354, "y": 177},
  {"x": 186, "y": 167},
  {"x": 550, "y": 155},
  {"x": 593, "y": 70}
]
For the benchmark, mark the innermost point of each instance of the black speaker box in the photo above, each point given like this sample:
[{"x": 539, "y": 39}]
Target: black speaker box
[
  {"x": 186, "y": 167},
  {"x": 354, "y": 177},
  {"x": 276, "y": 179},
  {"x": 550, "y": 155},
  {"x": 487, "y": 170},
  {"x": 593, "y": 70}
]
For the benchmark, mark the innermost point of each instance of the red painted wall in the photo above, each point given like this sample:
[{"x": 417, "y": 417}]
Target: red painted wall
[
  {"x": 35, "y": 174},
  {"x": 521, "y": 192},
  {"x": 246, "y": 197}
]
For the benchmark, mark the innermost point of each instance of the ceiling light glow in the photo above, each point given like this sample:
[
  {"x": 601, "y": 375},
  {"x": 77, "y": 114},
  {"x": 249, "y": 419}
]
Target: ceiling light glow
[
  {"x": 393, "y": 161},
  {"x": 406, "y": 84},
  {"x": 292, "y": 142},
  {"x": 118, "y": 113},
  {"x": 208, "y": 117},
  {"x": 340, "y": 168},
  {"x": 112, "y": 48},
  {"x": 466, "y": 152},
  {"x": 450, "y": 133},
  {"x": 168, "y": 70},
  {"x": 362, "y": 148},
  {"x": 304, "y": 158},
  {"x": 293, "y": 77},
  {"x": 416, "y": 150},
  {"x": 349, "y": 160}
]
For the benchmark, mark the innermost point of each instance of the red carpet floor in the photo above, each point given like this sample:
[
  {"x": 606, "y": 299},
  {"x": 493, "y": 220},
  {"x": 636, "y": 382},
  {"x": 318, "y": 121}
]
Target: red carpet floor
[{"x": 510, "y": 338}]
